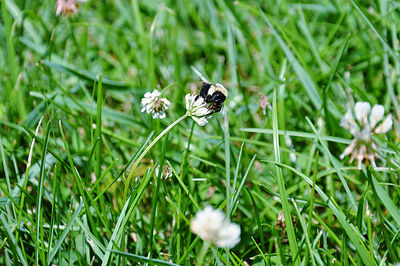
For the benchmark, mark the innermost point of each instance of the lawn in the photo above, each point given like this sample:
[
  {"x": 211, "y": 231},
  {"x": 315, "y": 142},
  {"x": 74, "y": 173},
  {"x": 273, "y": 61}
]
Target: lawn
[{"x": 109, "y": 156}]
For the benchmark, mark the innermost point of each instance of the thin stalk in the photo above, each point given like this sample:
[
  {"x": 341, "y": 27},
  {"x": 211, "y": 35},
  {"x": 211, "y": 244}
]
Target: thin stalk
[
  {"x": 155, "y": 196},
  {"x": 203, "y": 252},
  {"x": 136, "y": 164},
  {"x": 98, "y": 126}
]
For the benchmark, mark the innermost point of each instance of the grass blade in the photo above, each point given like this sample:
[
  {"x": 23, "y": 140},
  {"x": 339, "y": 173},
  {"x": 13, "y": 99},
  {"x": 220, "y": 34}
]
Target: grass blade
[
  {"x": 281, "y": 184},
  {"x": 335, "y": 164},
  {"x": 351, "y": 230},
  {"x": 141, "y": 259},
  {"x": 302, "y": 74},
  {"x": 39, "y": 198},
  {"x": 64, "y": 234}
]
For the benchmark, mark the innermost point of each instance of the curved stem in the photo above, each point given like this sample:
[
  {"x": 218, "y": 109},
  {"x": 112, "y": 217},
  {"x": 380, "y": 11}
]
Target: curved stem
[{"x": 136, "y": 164}]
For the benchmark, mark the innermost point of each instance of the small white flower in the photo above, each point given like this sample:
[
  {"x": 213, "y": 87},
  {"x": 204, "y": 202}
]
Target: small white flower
[
  {"x": 362, "y": 128},
  {"x": 166, "y": 171},
  {"x": 197, "y": 109},
  {"x": 67, "y": 7},
  {"x": 212, "y": 226},
  {"x": 153, "y": 103}
]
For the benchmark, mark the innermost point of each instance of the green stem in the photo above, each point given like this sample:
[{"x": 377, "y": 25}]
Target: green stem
[
  {"x": 136, "y": 164},
  {"x": 203, "y": 252}
]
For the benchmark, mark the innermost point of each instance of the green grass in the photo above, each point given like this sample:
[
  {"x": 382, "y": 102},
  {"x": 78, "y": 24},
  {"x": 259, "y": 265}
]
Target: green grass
[{"x": 78, "y": 157}]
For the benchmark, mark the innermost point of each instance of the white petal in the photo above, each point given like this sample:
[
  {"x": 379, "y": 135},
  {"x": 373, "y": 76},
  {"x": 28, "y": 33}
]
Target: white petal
[
  {"x": 59, "y": 9},
  {"x": 349, "y": 149},
  {"x": 162, "y": 115},
  {"x": 198, "y": 102},
  {"x": 200, "y": 111},
  {"x": 376, "y": 115},
  {"x": 156, "y": 93},
  {"x": 188, "y": 101},
  {"x": 385, "y": 126},
  {"x": 166, "y": 102},
  {"x": 361, "y": 111},
  {"x": 201, "y": 121},
  {"x": 349, "y": 123}
]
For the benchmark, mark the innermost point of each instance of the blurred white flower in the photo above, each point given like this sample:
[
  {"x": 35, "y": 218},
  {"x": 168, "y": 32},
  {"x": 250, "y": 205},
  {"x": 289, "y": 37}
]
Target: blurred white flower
[
  {"x": 197, "y": 109},
  {"x": 363, "y": 127},
  {"x": 153, "y": 103},
  {"x": 67, "y": 7},
  {"x": 212, "y": 226}
]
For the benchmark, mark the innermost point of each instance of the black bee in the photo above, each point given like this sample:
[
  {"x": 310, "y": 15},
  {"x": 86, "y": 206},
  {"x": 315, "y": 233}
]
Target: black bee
[{"x": 214, "y": 95}]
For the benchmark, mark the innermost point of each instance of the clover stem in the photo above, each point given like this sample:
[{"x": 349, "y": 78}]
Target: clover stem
[
  {"x": 203, "y": 252},
  {"x": 136, "y": 164}
]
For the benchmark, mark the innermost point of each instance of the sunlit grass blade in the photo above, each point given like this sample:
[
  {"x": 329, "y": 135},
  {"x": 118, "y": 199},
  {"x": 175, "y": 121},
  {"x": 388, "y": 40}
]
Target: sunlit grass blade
[
  {"x": 97, "y": 135},
  {"x": 96, "y": 245},
  {"x": 141, "y": 259},
  {"x": 281, "y": 184},
  {"x": 39, "y": 249},
  {"x": 115, "y": 235},
  {"x": 297, "y": 134}
]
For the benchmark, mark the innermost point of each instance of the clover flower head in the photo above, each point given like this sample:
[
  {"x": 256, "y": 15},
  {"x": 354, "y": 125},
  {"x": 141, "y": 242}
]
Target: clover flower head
[
  {"x": 197, "y": 109},
  {"x": 208, "y": 101},
  {"x": 67, "y": 7},
  {"x": 363, "y": 125},
  {"x": 212, "y": 226},
  {"x": 153, "y": 103}
]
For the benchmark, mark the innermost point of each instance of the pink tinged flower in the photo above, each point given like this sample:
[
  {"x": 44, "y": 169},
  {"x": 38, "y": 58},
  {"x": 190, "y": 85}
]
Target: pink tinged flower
[
  {"x": 67, "y": 7},
  {"x": 212, "y": 226},
  {"x": 363, "y": 147},
  {"x": 385, "y": 126},
  {"x": 154, "y": 104}
]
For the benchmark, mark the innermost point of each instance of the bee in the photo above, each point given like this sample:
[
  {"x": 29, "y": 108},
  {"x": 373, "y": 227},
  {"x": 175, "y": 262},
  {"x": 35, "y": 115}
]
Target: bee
[{"x": 214, "y": 95}]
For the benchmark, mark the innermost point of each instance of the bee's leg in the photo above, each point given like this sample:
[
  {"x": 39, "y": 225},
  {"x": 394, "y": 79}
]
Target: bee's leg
[{"x": 215, "y": 108}]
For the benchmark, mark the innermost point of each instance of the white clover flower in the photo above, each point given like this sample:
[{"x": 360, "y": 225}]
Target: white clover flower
[
  {"x": 197, "y": 109},
  {"x": 212, "y": 226},
  {"x": 363, "y": 127},
  {"x": 67, "y": 7},
  {"x": 153, "y": 103}
]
